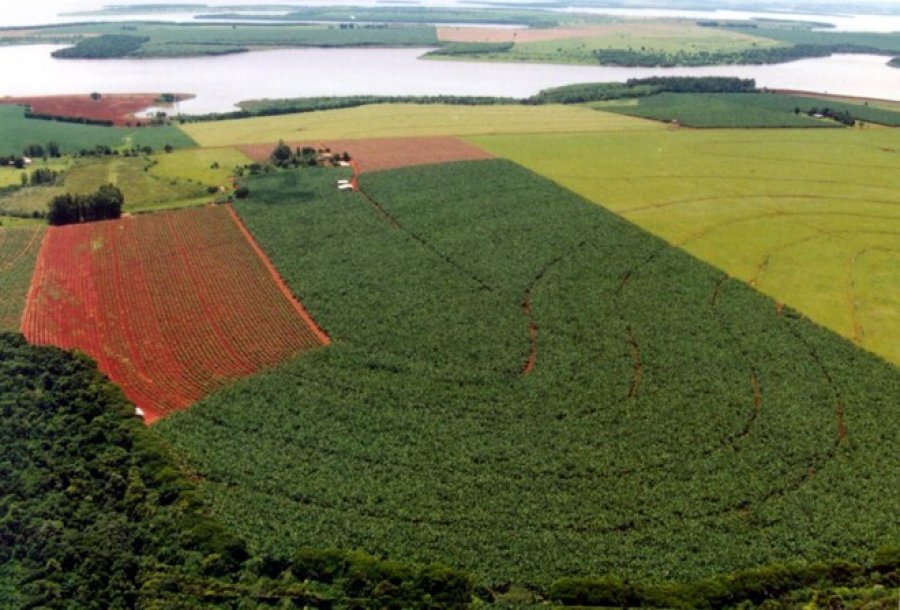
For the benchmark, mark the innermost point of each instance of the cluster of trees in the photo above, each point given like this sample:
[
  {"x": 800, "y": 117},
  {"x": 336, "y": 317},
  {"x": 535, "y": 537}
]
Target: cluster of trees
[
  {"x": 50, "y": 149},
  {"x": 473, "y": 48},
  {"x": 103, "y": 150},
  {"x": 104, "y": 204},
  {"x": 96, "y": 514},
  {"x": 16, "y": 161},
  {"x": 42, "y": 176},
  {"x": 282, "y": 156},
  {"x": 841, "y": 116},
  {"x": 103, "y": 47}
]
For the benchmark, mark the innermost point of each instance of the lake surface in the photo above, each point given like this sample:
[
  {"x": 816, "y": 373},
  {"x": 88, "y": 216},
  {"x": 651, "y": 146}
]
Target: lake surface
[
  {"x": 220, "y": 82},
  {"x": 56, "y": 11}
]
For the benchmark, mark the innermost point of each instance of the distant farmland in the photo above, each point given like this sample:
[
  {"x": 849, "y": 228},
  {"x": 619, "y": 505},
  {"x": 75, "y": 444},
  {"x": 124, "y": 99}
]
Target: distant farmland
[
  {"x": 526, "y": 386},
  {"x": 809, "y": 217},
  {"x": 171, "y": 305}
]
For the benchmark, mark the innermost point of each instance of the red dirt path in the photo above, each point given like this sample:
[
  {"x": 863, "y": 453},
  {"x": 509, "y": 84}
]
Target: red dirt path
[
  {"x": 376, "y": 154},
  {"x": 116, "y": 107},
  {"x": 171, "y": 305}
]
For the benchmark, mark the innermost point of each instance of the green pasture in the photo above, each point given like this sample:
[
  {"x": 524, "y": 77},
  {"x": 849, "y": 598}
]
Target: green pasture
[
  {"x": 141, "y": 187},
  {"x": 400, "y": 120},
  {"x": 809, "y": 217},
  {"x": 26, "y": 201},
  {"x": 667, "y": 37},
  {"x": 17, "y": 132},
  {"x": 205, "y": 166},
  {"x": 746, "y": 110},
  {"x": 673, "y": 426}
]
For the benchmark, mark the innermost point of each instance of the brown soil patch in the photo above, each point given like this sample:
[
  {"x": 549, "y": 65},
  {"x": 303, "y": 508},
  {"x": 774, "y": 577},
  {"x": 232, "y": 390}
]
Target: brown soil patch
[
  {"x": 372, "y": 155},
  {"x": 116, "y": 107},
  {"x": 470, "y": 34}
]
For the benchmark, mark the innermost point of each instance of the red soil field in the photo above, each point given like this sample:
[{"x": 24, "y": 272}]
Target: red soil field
[
  {"x": 171, "y": 305},
  {"x": 116, "y": 107},
  {"x": 376, "y": 154}
]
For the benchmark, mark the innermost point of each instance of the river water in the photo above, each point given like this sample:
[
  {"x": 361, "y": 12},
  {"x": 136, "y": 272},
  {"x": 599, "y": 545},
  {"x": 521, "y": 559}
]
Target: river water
[{"x": 220, "y": 82}]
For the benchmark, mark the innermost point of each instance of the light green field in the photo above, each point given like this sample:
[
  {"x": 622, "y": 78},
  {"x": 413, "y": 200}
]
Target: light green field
[
  {"x": 142, "y": 189},
  {"x": 659, "y": 37},
  {"x": 15, "y": 221},
  {"x": 209, "y": 166},
  {"x": 10, "y": 176},
  {"x": 811, "y": 218},
  {"x": 400, "y": 120}
]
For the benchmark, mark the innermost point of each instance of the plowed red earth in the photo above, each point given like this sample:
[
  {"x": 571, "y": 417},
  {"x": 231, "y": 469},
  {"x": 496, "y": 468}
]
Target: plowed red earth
[
  {"x": 115, "y": 107},
  {"x": 171, "y": 305},
  {"x": 376, "y": 154}
]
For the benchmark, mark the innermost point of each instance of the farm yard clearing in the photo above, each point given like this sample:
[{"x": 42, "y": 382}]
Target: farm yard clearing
[
  {"x": 171, "y": 305},
  {"x": 376, "y": 154},
  {"x": 808, "y": 217}
]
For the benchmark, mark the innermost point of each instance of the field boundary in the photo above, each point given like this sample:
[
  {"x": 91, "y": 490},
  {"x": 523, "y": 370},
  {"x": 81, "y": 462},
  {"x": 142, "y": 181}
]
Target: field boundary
[{"x": 320, "y": 334}]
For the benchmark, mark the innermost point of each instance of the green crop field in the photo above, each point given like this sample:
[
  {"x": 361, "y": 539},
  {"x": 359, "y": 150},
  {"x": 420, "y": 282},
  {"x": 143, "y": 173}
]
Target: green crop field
[
  {"x": 746, "y": 110},
  {"x": 208, "y": 166},
  {"x": 399, "y": 120},
  {"x": 524, "y": 385},
  {"x": 17, "y": 132},
  {"x": 18, "y": 250},
  {"x": 809, "y": 217}
]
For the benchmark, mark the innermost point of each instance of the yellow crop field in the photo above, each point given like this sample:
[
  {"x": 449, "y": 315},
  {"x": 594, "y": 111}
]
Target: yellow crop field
[
  {"x": 809, "y": 217},
  {"x": 400, "y": 120}
]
